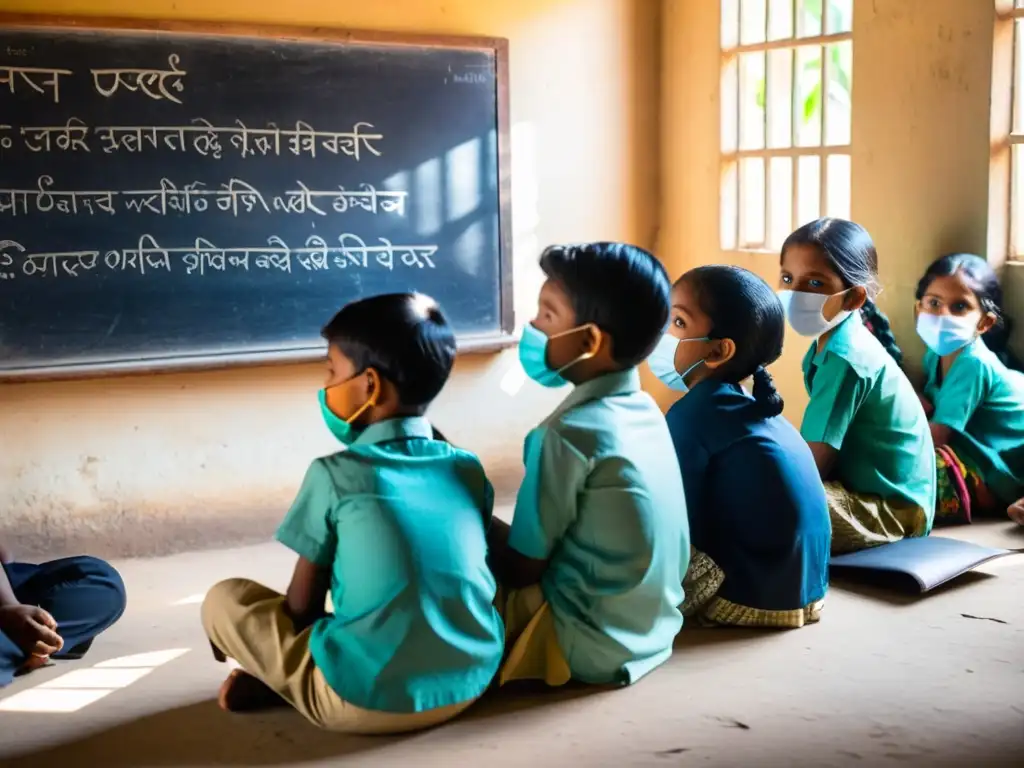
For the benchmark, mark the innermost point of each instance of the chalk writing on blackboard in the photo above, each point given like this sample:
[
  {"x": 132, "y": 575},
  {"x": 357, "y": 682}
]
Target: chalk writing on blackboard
[
  {"x": 152, "y": 82},
  {"x": 203, "y": 257},
  {"x": 234, "y": 196},
  {"x": 13, "y": 76},
  {"x": 200, "y": 136}
]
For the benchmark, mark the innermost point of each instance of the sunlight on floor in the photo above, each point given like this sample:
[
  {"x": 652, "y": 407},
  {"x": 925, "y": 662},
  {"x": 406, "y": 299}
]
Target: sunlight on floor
[
  {"x": 81, "y": 687},
  {"x": 190, "y": 600}
]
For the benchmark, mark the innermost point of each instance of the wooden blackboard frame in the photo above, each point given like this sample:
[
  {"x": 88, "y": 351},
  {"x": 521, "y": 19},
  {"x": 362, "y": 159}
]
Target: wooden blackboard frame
[{"x": 469, "y": 344}]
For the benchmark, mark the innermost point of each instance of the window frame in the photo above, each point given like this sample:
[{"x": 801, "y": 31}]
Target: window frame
[
  {"x": 732, "y": 156},
  {"x": 1014, "y": 15}
]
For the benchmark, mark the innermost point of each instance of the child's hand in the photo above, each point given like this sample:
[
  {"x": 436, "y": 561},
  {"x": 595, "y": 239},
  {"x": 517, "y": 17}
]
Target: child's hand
[
  {"x": 1016, "y": 512},
  {"x": 31, "y": 628},
  {"x": 929, "y": 409}
]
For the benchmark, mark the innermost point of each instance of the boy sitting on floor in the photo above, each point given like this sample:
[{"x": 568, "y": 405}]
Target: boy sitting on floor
[
  {"x": 395, "y": 528},
  {"x": 592, "y": 567}
]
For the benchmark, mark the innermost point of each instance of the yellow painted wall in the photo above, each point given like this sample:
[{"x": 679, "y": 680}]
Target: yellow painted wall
[
  {"x": 189, "y": 459},
  {"x": 920, "y": 164},
  {"x": 150, "y": 463}
]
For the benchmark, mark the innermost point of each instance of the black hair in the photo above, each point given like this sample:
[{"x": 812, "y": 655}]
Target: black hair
[
  {"x": 622, "y": 289},
  {"x": 852, "y": 256},
  {"x": 744, "y": 308},
  {"x": 403, "y": 336},
  {"x": 984, "y": 283}
]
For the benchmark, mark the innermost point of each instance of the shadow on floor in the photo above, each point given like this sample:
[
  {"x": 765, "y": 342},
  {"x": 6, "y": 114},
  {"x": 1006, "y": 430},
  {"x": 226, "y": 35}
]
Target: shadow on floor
[
  {"x": 901, "y": 589},
  {"x": 200, "y": 734}
]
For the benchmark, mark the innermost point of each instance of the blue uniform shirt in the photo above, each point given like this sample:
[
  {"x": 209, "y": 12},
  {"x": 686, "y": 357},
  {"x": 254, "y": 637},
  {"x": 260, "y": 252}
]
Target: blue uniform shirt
[
  {"x": 400, "y": 520},
  {"x": 603, "y": 501},
  {"x": 754, "y": 497}
]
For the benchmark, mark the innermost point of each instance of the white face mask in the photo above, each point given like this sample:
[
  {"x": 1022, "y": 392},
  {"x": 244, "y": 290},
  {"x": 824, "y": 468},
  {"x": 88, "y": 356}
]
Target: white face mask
[
  {"x": 804, "y": 312},
  {"x": 945, "y": 334}
]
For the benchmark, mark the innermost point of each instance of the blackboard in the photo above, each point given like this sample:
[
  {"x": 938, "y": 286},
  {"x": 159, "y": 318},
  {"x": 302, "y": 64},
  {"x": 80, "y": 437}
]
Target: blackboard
[{"x": 195, "y": 195}]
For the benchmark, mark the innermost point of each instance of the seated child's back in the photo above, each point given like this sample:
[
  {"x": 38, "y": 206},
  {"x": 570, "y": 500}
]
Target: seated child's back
[
  {"x": 600, "y": 520},
  {"x": 413, "y": 626},
  {"x": 755, "y": 500},
  {"x": 394, "y": 527}
]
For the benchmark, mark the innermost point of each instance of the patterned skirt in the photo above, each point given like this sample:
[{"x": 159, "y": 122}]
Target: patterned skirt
[
  {"x": 702, "y": 604},
  {"x": 961, "y": 490}
]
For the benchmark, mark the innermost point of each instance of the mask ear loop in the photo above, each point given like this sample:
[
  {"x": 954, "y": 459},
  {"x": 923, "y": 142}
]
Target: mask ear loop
[
  {"x": 374, "y": 396},
  {"x": 586, "y": 355}
]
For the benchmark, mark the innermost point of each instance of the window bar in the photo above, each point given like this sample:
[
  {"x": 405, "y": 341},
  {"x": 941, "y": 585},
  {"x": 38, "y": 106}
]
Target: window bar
[
  {"x": 823, "y": 201},
  {"x": 739, "y": 128},
  {"x": 794, "y": 122},
  {"x": 767, "y": 161},
  {"x": 1015, "y": 190},
  {"x": 823, "y": 72}
]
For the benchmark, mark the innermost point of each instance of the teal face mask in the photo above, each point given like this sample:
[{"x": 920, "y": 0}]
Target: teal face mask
[
  {"x": 342, "y": 429},
  {"x": 663, "y": 362},
  {"x": 533, "y": 355}
]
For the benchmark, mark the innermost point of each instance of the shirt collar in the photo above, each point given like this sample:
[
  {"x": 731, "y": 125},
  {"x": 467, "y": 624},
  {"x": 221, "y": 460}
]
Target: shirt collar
[
  {"x": 395, "y": 429},
  {"x": 842, "y": 342},
  {"x": 608, "y": 385}
]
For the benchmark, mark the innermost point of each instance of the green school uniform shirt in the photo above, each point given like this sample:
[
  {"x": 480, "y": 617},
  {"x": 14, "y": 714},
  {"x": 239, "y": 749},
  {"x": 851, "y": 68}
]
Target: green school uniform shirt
[
  {"x": 603, "y": 501},
  {"x": 400, "y": 520},
  {"x": 983, "y": 402},
  {"x": 863, "y": 406}
]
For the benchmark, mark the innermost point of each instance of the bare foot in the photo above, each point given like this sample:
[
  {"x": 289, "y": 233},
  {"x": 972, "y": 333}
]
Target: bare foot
[
  {"x": 241, "y": 692},
  {"x": 33, "y": 663}
]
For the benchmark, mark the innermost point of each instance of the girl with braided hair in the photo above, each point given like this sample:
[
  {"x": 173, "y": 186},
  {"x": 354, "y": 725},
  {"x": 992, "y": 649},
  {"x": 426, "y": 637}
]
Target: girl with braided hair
[
  {"x": 864, "y": 424},
  {"x": 760, "y": 563}
]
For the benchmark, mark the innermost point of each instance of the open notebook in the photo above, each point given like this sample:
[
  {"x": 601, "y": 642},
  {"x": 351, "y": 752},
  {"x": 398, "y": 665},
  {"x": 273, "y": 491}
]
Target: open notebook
[{"x": 926, "y": 562}]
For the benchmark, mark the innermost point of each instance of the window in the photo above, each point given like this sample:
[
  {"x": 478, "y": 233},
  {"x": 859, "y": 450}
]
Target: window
[
  {"x": 786, "y": 87},
  {"x": 1017, "y": 137}
]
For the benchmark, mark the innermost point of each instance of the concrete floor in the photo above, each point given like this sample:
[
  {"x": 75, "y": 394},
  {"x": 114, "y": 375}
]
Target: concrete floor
[{"x": 882, "y": 679}]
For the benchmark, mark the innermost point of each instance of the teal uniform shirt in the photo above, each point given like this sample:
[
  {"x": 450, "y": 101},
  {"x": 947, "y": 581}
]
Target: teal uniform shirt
[
  {"x": 863, "y": 406},
  {"x": 400, "y": 521},
  {"x": 603, "y": 501},
  {"x": 983, "y": 402}
]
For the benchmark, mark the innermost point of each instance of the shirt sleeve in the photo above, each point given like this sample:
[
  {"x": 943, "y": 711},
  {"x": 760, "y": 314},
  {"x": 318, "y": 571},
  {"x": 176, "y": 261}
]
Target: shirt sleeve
[
  {"x": 962, "y": 391},
  {"x": 837, "y": 393},
  {"x": 546, "y": 504},
  {"x": 471, "y": 475},
  {"x": 308, "y": 528}
]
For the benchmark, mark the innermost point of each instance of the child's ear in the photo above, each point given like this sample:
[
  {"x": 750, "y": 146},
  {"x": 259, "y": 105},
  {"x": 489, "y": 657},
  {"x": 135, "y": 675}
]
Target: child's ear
[
  {"x": 855, "y": 298},
  {"x": 988, "y": 321},
  {"x": 594, "y": 340},
  {"x": 373, "y": 385},
  {"x": 723, "y": 351}
]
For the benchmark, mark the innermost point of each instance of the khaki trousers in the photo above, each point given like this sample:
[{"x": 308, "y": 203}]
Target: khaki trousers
[{"x": 248, "y": 623}]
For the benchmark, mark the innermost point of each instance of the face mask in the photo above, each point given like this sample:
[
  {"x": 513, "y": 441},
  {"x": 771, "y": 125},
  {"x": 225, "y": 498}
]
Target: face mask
[
  {"x": 533, "y": 355},
  {"x": 945, "y": 334},
  {"x": 340, "y": 427},
  {"x": 804, "y": 313},
  {"x": 663, "y": 362}
]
